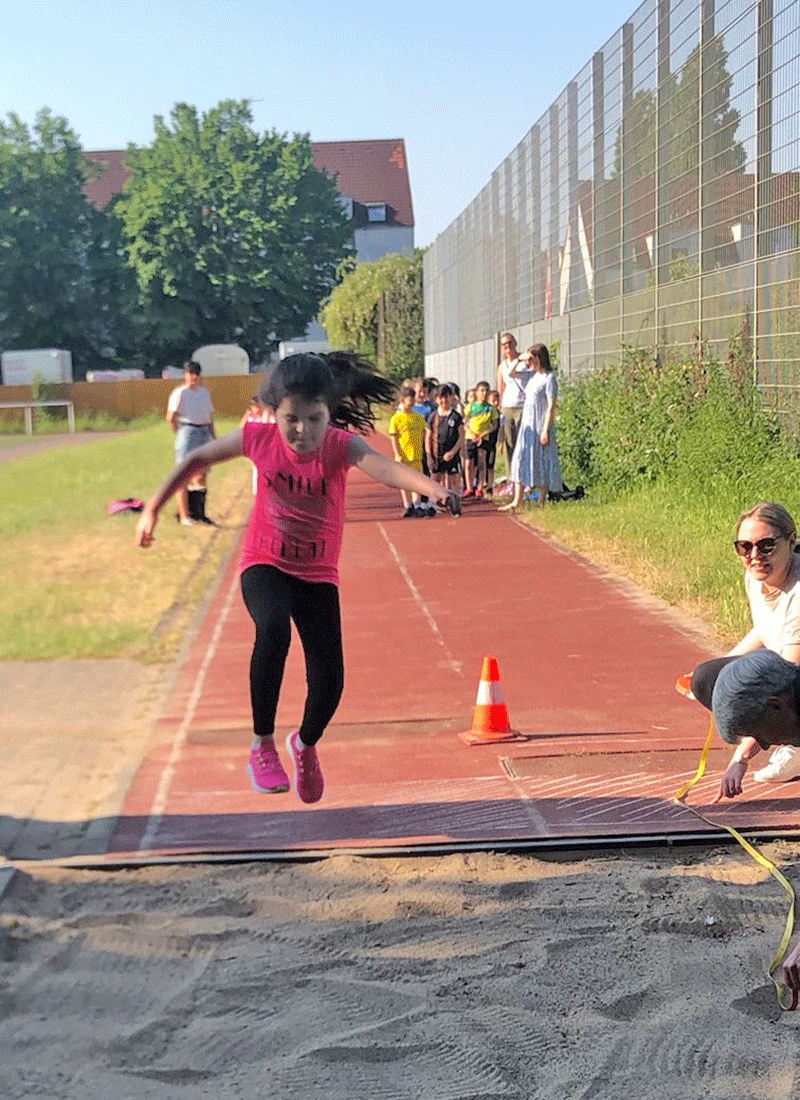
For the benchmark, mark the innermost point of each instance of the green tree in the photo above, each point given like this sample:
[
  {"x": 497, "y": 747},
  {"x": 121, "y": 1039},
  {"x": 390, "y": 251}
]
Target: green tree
[
  {"x": 377, "y": 310},
  {"x": 64, "y": 277},
  {"x": 234, "y": 236},
  {"x": 45, "y": 236},
  {"x": 116, "y": 324}
]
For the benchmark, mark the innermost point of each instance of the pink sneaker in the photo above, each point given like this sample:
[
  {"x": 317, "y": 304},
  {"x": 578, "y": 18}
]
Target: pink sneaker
[
  {"x": 308, "y": 777},
  {"x": 266, "y": 772}
]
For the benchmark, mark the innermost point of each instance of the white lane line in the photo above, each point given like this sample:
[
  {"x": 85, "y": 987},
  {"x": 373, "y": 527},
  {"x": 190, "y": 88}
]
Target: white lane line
[
  {"x": 646, "y": 782},
  {"x": 452, "y": 662},
  {"x": 178, "y": 745}
]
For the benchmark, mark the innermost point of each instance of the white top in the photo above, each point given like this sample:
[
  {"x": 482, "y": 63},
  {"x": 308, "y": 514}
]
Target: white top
[
  {"x": 193, "y": 405},
  {"x": 776, "y": 615},
  {"x": 514, "y": 392}
]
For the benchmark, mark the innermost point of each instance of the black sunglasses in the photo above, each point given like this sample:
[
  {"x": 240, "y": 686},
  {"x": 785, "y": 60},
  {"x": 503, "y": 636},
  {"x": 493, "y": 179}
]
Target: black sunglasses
[{"x": 765, "y": 548}]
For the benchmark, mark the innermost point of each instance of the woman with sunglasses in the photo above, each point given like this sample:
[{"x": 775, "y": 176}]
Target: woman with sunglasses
[{"x": 766, "y": 541}]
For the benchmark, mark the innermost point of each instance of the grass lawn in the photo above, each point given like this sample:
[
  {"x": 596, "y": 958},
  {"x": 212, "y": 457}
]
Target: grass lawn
[
  {"x": 74, "y": 583},
  {"x": 679, "y": 549}
]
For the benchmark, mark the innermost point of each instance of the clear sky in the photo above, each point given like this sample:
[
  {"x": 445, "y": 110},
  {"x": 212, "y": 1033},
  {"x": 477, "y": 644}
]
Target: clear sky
[{"x": 461, "y": 83}]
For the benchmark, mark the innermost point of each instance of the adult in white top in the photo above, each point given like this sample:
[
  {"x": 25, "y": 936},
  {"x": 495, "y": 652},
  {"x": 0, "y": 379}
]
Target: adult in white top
[
  {"x": 190, "y": 412},
  {"x": 766, "y": 541},
  {"x": 511, "y": 388}
]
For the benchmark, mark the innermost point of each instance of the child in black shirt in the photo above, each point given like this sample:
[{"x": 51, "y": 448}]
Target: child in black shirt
[{"x": 444, "y": 441}]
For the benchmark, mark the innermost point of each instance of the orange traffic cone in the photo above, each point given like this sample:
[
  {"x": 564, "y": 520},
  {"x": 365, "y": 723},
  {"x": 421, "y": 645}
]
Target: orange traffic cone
[{"x": 490, "y": 722}]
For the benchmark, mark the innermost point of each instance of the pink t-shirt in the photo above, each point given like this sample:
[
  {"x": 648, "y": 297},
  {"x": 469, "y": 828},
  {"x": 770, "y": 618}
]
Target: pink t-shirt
[{"x": 297, "y": 520}]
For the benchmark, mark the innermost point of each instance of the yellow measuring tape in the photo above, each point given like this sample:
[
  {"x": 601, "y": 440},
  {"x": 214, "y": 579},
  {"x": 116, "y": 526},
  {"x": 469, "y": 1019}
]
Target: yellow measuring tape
[{"x": 781, "y": 990}]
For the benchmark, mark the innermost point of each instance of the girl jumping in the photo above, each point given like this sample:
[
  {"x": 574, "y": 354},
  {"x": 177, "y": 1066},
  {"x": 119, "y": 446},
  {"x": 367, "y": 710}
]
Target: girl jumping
[{"x": 289, "y": 564}]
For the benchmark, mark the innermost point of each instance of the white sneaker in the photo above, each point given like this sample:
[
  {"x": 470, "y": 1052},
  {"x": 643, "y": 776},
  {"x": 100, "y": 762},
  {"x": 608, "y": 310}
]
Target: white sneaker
[{"x": 784, "y": 764}]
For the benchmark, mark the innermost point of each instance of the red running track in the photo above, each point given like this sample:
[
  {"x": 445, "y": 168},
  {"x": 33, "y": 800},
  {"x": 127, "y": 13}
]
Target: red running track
[{"x": 588, "y": 666}]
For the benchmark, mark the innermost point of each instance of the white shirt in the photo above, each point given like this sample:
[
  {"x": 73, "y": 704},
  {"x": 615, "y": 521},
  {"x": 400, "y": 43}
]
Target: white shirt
[
  {"x": 776, "y": 615},
  {"x": 192, "y": 404},
  {"x": 514, "y": 390}
]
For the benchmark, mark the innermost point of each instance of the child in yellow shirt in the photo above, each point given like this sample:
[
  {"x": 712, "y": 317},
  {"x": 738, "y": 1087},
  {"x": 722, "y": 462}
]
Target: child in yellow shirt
[
  {"x": 407, "y": 432},
  {"x": 481, "y": 419}
]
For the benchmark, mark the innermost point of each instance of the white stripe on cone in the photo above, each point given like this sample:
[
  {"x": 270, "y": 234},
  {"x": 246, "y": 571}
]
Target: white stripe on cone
[{"x": 489, "y": 691}]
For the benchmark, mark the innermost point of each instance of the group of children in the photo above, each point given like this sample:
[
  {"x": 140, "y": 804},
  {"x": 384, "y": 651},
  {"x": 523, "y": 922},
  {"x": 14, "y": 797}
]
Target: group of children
[{"x": 453, "y": 442}]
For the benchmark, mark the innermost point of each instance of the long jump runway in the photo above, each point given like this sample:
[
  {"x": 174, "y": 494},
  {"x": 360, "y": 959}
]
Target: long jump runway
[{"x": 588, "y": 666}]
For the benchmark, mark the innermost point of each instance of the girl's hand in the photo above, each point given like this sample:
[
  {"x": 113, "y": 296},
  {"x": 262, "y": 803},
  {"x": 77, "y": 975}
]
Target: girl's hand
[
  {"x": 544, "y": 438},
  {"x": 444, "y": 496},
  {"x": 145, "y": 527}
]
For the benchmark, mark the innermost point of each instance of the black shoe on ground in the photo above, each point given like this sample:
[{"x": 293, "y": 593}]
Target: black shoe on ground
[{"x": 410, "y": 512}]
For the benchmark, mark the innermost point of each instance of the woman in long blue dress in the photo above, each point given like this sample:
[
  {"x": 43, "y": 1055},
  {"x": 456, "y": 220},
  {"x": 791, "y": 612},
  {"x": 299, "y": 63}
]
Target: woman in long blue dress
[{"x": 535, "y": 460}]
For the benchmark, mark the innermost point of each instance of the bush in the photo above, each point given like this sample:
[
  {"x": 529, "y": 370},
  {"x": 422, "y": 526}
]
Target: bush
[{"x": 693, "y": 423}]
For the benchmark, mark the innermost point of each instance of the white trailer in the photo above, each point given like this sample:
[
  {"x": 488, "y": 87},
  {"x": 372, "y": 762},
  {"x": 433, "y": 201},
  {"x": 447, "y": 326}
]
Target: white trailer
[
  {"x": 124, "y": 374},
  {"x": 222, "y": 359},
  {"x": 297, "y": 347},
  {"x": 24, "y": 368}
]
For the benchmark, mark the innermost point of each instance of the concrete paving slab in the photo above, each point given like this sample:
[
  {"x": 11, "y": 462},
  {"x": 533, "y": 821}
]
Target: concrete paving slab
[{"x": 74, "y": 734}]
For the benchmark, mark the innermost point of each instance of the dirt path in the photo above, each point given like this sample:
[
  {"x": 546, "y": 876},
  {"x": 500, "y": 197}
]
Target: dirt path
[
  {"x": 74, "y": 733},
  {"x": 49, "y": 442}
]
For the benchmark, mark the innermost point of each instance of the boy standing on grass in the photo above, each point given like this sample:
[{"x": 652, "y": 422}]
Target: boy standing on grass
[
  {"x": 482, "y": 418},
  {"x": 190, "y": 413},
  {"x": 407, "y": 433}
]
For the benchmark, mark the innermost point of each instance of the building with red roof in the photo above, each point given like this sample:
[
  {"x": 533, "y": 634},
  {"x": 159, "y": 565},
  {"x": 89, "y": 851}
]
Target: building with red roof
[{"x": 372, "y": 178}]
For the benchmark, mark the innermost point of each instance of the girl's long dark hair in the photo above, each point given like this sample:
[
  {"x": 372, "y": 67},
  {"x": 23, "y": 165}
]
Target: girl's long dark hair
[
  {"x": 349, "y": 385},
  {"x": 542, "y": 354}
]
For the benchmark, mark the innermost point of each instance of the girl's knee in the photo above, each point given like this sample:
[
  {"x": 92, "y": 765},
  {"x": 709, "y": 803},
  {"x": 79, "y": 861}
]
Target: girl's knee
[
  {"x": 328, "y": 684},
  {"x": 274, "y": 636}
]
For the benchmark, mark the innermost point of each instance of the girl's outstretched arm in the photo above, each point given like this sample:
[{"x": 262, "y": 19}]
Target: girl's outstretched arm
[
  {"x": 394, "y": 474},
  {"x": 217, "y": 450}
]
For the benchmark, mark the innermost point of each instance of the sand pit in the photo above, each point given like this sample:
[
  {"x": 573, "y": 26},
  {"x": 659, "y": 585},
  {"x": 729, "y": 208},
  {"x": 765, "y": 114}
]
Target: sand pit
[{"x": 462, "y": 977}]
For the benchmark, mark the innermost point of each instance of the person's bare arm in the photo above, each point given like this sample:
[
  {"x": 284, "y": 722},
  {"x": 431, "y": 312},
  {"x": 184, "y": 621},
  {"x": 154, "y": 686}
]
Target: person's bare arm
[
  {"x": 397, "y": 475},
  {"x": 544, "y": 437},
  {"x": 749, "y": 644},
  {"x": 218, "y": 450},
  {"x": 517, "y": 371},
  {"x": 448, "y": 456},
  {"x": 748, "y": 748}
]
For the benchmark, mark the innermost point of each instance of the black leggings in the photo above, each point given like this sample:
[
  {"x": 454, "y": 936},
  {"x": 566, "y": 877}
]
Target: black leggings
[
  {"x": 705, "y": 676},
  {"x": 274, "y": 599}
]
